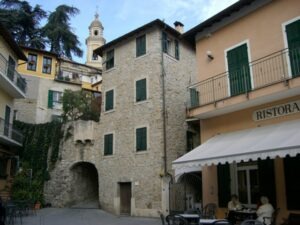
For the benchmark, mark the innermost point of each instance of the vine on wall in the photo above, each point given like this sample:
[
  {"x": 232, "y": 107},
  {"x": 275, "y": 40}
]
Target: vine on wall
[{"x": 39, "y": 140}]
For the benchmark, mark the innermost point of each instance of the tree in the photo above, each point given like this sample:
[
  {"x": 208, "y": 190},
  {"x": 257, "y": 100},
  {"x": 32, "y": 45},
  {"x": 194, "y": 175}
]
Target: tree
[
  {"x": 23, "y": 21},
  {"x": 80, "y": 105},
  {"x": 61, "y": 38}
]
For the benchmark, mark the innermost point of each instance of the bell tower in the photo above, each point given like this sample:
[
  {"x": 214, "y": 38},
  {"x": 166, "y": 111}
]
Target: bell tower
[{"x": 95, "y": 40}]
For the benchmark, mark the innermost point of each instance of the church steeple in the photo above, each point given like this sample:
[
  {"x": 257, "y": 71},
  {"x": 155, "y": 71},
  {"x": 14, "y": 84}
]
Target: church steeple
[{"x": 95, "y": 40}]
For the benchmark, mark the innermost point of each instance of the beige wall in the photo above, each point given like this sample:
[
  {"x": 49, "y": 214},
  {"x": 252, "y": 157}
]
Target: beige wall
[{"x": 262, "y": 29}]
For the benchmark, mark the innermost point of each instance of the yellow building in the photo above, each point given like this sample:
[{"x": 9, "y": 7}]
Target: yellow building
[
  {"x": 247, "y": 101},
  {"x": 48, "y": 75},
  {"x": 12, "y": 86}
]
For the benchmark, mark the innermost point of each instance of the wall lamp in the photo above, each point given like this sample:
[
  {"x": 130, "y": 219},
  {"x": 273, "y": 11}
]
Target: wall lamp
[{"x": 209, "y": 55}]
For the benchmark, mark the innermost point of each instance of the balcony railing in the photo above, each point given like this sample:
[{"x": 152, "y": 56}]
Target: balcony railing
[
  {"x": 10, "y": 72},
  {"x": 271, "y": 69},
  {"x": 68, "y": 76},
  {"x": 8, "y": 131}
]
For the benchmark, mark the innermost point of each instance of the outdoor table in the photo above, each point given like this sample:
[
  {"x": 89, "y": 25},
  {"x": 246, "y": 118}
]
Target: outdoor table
[
  {"x": 190, "y": 218},
  {"x": 211, "y": 221},
  {"x": 241, "y": 215}
]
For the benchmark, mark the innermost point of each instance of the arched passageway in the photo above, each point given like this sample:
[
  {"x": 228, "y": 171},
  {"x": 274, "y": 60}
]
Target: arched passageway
[{"x": 84, "y": 186}]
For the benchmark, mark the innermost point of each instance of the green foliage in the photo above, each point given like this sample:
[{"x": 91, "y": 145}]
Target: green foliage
[
  {"x": 80, "y": 105},
  {"x": 38, "y": 140}
]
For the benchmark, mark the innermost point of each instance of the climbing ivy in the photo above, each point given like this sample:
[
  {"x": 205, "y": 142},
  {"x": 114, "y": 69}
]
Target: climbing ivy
[{"x": 39, "y": 139}]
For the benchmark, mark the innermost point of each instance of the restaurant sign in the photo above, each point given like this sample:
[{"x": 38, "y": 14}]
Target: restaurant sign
[{"x": 277, "y": 111}]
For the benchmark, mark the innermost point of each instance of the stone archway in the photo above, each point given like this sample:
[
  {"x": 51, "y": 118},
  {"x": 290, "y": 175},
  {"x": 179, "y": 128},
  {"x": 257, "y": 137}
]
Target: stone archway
[{"x": 84, "y": 186}]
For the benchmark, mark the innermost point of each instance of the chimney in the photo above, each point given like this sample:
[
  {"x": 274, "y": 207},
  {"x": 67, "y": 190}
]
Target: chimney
[{"x": 179, "y": 26}]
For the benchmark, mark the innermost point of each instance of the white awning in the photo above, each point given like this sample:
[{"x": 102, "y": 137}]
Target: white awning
[{"x": 261, "y": 142}]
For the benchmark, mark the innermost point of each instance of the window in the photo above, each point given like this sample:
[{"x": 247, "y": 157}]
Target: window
[
  {"x": 293, "y": 39},
  {"x": 32, "y": 59},
  {"x": 239, "y": 70},
  {"x": 47, "y": 65},
  {"x": 110, "y": 63},
  {"x": 94, "y": 56},
  {"x": 141, "y": 139},
  {"x": 54, "y": 99},
  {"x": 141, "y": 90},
  {"x": 141, "y": 45},
  {"x": 165, "y": 42},
  {"x": 108, "y": 144},
  {"x": 11, "y": 68},
  {"x": 109, "y": 100},
  {"x": 177, "y": 49}
]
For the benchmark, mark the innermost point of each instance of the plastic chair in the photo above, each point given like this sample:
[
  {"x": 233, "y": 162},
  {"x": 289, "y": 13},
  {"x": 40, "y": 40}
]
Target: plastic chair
[{"x": 209, "y": 211}]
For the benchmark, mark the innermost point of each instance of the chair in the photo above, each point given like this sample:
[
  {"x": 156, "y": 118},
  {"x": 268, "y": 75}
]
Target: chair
[
  {"x": 176, "y": 220},
  {"x": 251, "y": 222},
  {"x": 273, "y": 218},
  {"x": 209, "y": 211}
]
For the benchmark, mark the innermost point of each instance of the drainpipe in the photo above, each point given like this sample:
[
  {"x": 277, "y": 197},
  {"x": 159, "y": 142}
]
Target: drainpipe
[{"x": 164, "y": 105}]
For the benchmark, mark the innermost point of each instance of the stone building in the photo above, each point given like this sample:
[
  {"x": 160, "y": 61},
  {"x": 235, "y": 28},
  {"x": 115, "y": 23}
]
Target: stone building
[
  {"x": 125, "y": 162},
  {"x": 12, "y": 86},
  {"x": 247, "y": 103}
]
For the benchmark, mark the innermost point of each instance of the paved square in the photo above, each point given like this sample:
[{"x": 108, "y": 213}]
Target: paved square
[{"x": 67, "y": 216}]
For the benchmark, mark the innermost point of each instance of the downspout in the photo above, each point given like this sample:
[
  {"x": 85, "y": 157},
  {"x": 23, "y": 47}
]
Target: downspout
[{"x": 164, "y": 106}]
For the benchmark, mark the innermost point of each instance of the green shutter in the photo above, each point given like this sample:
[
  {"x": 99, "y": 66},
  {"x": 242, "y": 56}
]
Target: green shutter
[
  {"x": 141, "y": 90},
  {"x": 224, "y": 191},
  {"x": 141, "y": 139},
  {"x": 177, "y": 49},
  {"x": 110, "y": 62},
  {"x": 239, "y": 71},
  {"x": 50, "y": 99},
  {"x": 266, "y": 177},
  {"x": 194, "y": 95},
  {"x": 109, "y": 100},
  {"x": 292, "y": 182},
  {"x": 141, "y": 45},
  {"x": 293, "y": 38},
  {"x": 164, "y": 42},
  {"x": 108, "y": 144}
]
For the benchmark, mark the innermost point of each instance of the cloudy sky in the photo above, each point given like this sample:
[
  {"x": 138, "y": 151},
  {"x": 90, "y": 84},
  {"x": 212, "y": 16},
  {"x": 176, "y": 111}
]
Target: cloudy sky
[{"x": 121, "y": 16}]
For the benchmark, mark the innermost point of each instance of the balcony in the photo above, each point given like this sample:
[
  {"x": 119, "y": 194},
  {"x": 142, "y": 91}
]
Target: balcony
[
  {"x": 68, "y": 76},
  {"x": 279, "y": 67},
  {"x": 9, "y": 135},
  {"x": 10, "y": 80}
]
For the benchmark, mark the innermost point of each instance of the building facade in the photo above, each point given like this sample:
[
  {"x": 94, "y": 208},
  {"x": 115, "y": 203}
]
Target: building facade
[
  {"x": 145, "y": 75},
  {"x": 47, "y": 76},
  {"x": 12, "y": 86},
  {"x": 247, "y": 101}
]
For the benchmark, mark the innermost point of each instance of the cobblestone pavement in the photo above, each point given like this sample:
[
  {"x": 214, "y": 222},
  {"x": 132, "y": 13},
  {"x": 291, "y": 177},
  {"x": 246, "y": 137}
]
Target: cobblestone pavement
[{"x": 67, "y": 216}]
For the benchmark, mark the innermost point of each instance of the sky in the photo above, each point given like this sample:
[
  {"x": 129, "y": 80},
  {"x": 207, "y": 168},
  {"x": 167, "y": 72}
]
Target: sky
[{"x": 122, "y": 16}]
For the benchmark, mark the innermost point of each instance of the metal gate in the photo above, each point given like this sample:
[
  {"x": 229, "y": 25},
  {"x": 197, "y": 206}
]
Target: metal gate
[{"x": 186, "y": 193}]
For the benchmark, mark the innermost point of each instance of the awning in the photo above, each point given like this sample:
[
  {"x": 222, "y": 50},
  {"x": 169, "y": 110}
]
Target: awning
[{"x": 262, "y": 142}]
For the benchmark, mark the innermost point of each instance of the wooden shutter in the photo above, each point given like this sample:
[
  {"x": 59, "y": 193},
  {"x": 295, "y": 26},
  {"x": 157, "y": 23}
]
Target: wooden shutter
[
  {"x": 50, "y": 99},
  {"x": 239, "y": 71},
  {"x": 108, "y": 144},
  {"x": 224, "y": 191},
  {"x": 141, "y": 90},
  {"x": 141, "y": 45},
  {"x": 141, "y": 139},
  {"x": 194, "y": 95},
  {"x": 266, "y": 176},
  {"x": 293, "y": 37},
  {"x": 109, "y": 100},
  {"x": 177, "y": 49},
  {"x": 292, "y": 182}
]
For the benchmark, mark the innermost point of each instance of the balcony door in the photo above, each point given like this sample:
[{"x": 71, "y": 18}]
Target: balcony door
[
  {"x": 11, "y": 68},
  {"x": 293, "y": 39},
  {"x": 239, "y": 71},
  {"x": 6, "y": 121}
]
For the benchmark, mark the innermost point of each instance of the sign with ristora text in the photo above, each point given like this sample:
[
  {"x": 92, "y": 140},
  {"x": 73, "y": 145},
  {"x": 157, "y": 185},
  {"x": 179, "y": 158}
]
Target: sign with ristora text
[{"x": 277, "y": 111}]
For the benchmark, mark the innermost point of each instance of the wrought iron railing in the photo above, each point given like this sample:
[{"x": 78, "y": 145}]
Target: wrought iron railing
[
  {"x": 10, "y": 72},
  {"x": 7, "y": 130},
  {"x": 276, "y": 67},
  {"x": 69, "y": 76}
]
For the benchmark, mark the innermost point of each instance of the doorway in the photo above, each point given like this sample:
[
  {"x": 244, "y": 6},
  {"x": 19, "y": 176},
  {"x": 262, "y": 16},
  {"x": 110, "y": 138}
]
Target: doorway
[{"x": 125, "y": 198}]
